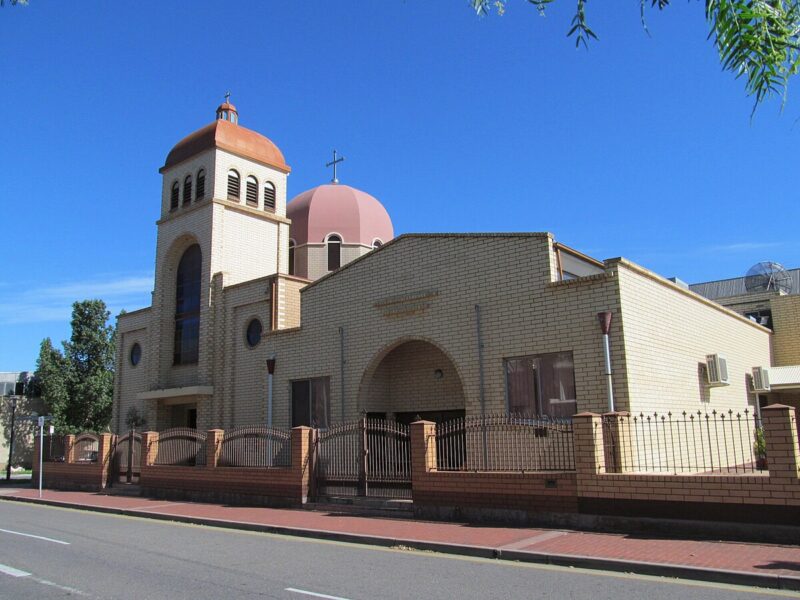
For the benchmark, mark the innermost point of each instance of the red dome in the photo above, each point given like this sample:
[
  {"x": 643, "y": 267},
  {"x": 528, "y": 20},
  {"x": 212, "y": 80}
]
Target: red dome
[
  {"x": 335, "y": 208},
  {"x": 232, "y": 138}
]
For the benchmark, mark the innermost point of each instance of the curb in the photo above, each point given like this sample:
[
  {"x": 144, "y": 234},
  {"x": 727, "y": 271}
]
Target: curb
[{"x": 677, "y": 571}]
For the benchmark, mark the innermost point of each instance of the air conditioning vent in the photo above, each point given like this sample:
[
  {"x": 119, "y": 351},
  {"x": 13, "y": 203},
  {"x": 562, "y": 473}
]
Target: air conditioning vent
[
  {"x": 760, "y": 379},
  {"x": 717, "y": 370}
]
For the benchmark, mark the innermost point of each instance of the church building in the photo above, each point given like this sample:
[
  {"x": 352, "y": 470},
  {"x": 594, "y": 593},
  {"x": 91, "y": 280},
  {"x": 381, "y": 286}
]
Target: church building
[{"x": 312, "y": 312}]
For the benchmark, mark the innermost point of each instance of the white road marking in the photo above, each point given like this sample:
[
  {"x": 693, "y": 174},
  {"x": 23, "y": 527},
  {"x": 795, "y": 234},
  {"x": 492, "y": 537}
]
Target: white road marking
[
  {"x": 64, "y": 588},
  {"x": 38, "y": 537},
  {"x": 13, "y": 572},
  {"x": 315, "y": 594}
]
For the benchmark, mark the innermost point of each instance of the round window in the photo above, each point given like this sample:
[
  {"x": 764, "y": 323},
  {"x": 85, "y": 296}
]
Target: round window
[
  {"x": 136, "y": 354},
  {"x": 254, "y": 332}
]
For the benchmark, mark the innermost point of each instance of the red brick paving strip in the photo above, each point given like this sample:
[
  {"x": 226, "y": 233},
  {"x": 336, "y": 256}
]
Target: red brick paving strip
[{"x": 768, "y": 559}]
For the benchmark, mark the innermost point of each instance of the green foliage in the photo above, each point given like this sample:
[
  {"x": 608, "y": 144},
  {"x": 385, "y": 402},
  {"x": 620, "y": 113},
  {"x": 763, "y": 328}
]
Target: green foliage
[
  {"x": 760, "y": 444},
  {"x": 756, "y": 39},
  {"x": 77, "y": 385}
]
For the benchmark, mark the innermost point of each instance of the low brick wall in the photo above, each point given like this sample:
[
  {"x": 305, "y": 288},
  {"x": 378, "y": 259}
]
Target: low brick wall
[
  {"x": 274, "y": 486},
  {"x": 770, "y": 497},
  {"x": 72, "y": 475},
  {"x": 233, "y": 485}
]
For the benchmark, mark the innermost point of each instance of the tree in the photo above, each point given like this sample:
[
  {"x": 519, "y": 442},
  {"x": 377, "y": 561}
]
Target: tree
[
  {"x": 77, "y": 385},
  {"x": 756, "y": 39}
]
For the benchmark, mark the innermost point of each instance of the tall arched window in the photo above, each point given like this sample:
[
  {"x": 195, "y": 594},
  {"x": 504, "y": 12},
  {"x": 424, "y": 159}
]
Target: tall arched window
[
  {"x": 376, "y": 243},
  {"x": 174, "y": 196},
  {"x": 291, "y": 257},
  {"x": 269, "y": 196},
  {"x": 251, "y": 192},
  {"x": 201, "y": 185},
  {"x": 233, "y": 185},
  {"x": 187, "y": 190},
  {"x": 334, "y": 252},
  {"x": 187, "y": 307}
]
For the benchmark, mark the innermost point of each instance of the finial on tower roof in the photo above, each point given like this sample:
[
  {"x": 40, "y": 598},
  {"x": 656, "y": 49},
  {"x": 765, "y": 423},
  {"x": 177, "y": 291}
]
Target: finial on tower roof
[
  {"x": 227, "y": 111},
  {"x": 333, "y": 164}
]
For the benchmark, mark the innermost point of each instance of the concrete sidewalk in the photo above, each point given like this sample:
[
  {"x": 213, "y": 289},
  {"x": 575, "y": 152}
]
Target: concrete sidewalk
[{"x": 763, "y": 565}]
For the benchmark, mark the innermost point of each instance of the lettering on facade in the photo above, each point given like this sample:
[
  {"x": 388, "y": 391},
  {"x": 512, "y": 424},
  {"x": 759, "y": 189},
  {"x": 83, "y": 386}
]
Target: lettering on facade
[{"x": 406, "y": 305}]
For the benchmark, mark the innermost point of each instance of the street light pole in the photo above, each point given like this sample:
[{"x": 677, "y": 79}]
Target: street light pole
[{"x": 11, "y": 440}]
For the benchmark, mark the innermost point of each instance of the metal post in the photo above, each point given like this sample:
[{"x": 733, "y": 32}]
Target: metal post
[
  {"x": 11, "y": 440},
  {"x": 481, "y": 379},
  {"x": 131, "y": 438},
  {"x": 41, "y": 452},
  {"x": 605, "y": 326},
  {"x": 362, "y": 467}
]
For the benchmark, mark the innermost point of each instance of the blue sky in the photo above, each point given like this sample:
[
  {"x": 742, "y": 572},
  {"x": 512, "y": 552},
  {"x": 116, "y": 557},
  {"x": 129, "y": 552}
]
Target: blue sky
[{"x": 640, "y": 147}]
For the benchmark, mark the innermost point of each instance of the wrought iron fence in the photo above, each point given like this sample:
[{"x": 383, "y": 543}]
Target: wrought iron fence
[
  {"x": 54, "y": 448},
  {"x": 505, "y": 442},
  {"x": 256, "y": 446},
  {"x": 686, "y": 442},
  {"x": 181, "y": 446},
  {"x": 85, "y": 448},
  {"x": 128, "y": 456}
]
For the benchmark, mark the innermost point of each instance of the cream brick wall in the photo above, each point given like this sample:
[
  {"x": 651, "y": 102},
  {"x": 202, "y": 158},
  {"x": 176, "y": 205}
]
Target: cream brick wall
[
  {"x": 250, "y": 246},
  {"x": 668, "y": 331},
  {"x": 510, "y": 276},
  {"x": 313, "y": 262},
  {"x": 786, "y": 321},
  {"x": 129, "y": 379}
]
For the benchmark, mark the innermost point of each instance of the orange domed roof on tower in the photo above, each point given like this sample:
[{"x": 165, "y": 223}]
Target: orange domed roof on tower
[{"x": 226, "y": 134}]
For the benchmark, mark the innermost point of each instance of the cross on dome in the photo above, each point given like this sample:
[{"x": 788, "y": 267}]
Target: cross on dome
[{"x": 333, "y": 163}]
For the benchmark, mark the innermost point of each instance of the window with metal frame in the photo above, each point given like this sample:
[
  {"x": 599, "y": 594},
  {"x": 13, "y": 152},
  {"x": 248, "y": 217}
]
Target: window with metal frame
[
  {"x": 311, "y": 402},
  {"x": 291, "y": 257},
  {"x": 334, "y": 252},
  {"x": 187, "y": 307},
  {"x": 541, "y": 385}
]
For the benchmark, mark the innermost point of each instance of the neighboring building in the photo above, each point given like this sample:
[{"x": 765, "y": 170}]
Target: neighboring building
[
  {"x": 779, "y": 310},
  {"x": 422, "y": 325},
  {"x": 13, "y": 384}
]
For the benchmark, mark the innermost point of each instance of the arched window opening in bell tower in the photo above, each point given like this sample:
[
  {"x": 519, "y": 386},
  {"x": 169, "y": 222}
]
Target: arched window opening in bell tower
[
  {"x": 174, "y": 196},
  {"x": 334, "y": 252},
  {"x": 187, "y": 307},
  {"x": 233, "y": 185},
  {"x": 187, "y": 190},
  {"x": 201, "y": 185},
  {"x": 251, "y": 192},
  {"x": 269, "y": 196}
]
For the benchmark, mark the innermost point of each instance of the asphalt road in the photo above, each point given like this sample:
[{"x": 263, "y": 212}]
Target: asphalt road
[{"x": 88, "y": 555}]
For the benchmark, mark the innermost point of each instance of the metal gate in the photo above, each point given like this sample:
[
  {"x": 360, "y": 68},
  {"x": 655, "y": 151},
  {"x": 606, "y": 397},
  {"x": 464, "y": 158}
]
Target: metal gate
[
  {"x": 128, "y": 458},
  {"x": 368, "y": 457}
]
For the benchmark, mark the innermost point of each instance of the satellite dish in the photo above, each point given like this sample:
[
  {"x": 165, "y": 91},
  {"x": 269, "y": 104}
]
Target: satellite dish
[{"x": 768, "y": 277}]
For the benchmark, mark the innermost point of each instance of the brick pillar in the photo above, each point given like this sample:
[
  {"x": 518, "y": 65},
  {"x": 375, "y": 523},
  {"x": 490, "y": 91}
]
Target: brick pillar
[
  {"x": 105, "y": 454},
  {"x": 423, "y": 449},
  {"x": 780, "y": 435},
  {"x": 69, "y": 449},
  {"x": 588, "y": 442},
  {"x": 617, "y": 441},
  {"x": 303, "y": 459},
  {"x": 213, "y": 447},
  {"x": 149, "y": 448}
]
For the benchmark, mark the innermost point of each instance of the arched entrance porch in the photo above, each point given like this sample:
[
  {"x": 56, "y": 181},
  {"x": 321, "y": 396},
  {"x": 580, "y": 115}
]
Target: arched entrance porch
[{"x": 409, "y": 379}]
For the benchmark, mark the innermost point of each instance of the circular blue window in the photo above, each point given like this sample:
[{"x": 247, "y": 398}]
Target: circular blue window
[
  {"x": 254, "y": 330},
  {"x": 136, "y": 354}
]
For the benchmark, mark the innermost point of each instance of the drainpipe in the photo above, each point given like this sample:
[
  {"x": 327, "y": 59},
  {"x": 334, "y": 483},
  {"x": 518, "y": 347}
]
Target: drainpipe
[
  {"x": 481, "y": 380},
  {"x": 270, "y": 373},
  {"x": 341, "y": 369},
  {"x": 605, "y": 326}
]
